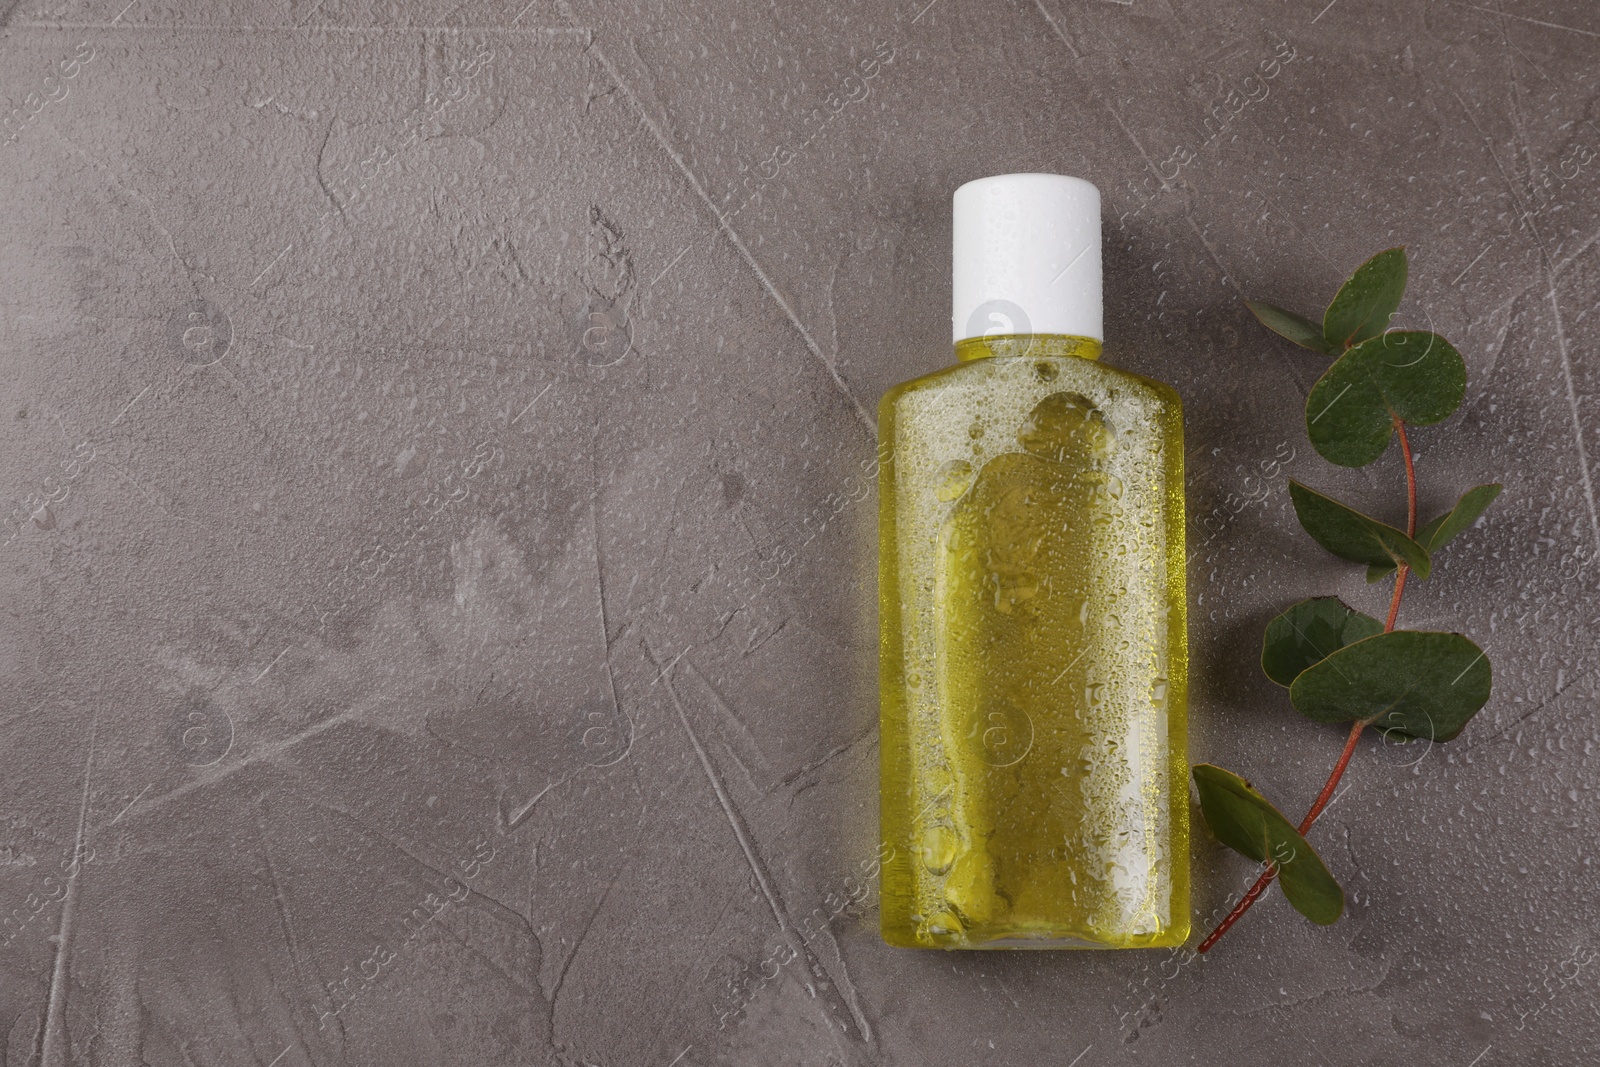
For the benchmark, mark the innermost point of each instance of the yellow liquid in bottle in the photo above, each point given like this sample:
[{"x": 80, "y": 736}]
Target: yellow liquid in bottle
[{"x": 1033, "y": 672}]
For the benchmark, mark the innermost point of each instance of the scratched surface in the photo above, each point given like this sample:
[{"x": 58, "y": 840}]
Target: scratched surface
[{"x": 436, "y": 450}]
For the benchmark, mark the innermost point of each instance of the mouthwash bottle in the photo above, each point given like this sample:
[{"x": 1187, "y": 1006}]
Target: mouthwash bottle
[{"x": 1034, "y": 659}]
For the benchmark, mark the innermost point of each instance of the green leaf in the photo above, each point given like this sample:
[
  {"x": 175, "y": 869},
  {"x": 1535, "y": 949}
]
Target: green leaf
[
  {"x": 1409, "y": 682},
  {"x": 1351, "y": 535},
  {"x": 1412, "y": 375},
  {"x": 1306, "y": 883},
  {"x": 1473, "y": 503},
  {"x": 1310, "y": 632},
  {"x": 1302, "y": 332},
  {"x": 1246, "y": 822},
  {"x": 1366, "y": 302},
  {"x": 1443, "y": 529}
]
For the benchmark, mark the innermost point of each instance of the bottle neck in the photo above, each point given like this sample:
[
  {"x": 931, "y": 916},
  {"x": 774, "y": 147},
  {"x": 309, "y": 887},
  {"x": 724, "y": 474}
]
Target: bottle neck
[{"x": 1027, "y": 345}]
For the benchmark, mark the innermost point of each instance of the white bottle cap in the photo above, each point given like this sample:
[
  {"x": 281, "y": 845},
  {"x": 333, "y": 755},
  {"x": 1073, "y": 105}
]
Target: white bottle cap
[{"x": 1026, "y": 257}]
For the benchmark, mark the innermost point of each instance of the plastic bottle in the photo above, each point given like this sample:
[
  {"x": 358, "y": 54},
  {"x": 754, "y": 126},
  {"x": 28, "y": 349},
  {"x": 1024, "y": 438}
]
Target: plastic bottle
[{"x": 1034, "y": 658}]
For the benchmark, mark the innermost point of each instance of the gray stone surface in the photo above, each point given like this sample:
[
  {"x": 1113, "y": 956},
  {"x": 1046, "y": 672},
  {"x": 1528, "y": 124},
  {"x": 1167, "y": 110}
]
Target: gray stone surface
[{"x": 438, "y": 570}]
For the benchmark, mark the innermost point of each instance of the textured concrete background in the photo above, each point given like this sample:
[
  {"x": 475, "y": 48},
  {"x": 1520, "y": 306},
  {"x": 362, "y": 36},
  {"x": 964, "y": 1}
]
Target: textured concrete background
[{"x": 438, "y": 564}]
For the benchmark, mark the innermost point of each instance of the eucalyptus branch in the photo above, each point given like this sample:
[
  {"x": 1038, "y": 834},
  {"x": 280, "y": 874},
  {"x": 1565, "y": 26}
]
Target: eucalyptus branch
[
  {"x": 1338, "y": 664},
  {"x": 1271, "y": 872}
]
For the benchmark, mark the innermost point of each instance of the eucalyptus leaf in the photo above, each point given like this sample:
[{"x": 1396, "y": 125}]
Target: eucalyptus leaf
[
  {"x": 1367, "y": 301},
  {"x": 1301, "y": 331},
  {"x": 1426, "y": 537},
  {"x": 1310, "y": 632},
  {"x": 1414, "y": 683},
  {"x": 1247, "y": 822},
  {"x": 1351, "y": 535},
  {"x": 1442, "y": 530},
  {"x": 1411, "y": 375}
]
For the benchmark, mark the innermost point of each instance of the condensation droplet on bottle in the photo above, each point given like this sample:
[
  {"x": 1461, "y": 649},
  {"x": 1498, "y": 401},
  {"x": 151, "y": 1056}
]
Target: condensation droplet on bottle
[
  {"x": 955, "y": 478},
  {"x": 938, "y": 849},
  {"x": 1067, "y": 428}
]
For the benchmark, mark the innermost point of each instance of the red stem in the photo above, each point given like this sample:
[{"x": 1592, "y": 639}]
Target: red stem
[
  {"x": 1411, "y": 477},
  {"x": 1356, "y": 727},
  {"x": 1411, "y": 521},
  {"x": 1394, "y": 601},
  {"x": 1333, "y": 779},
  {"x": 1239, "y": 909}
]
